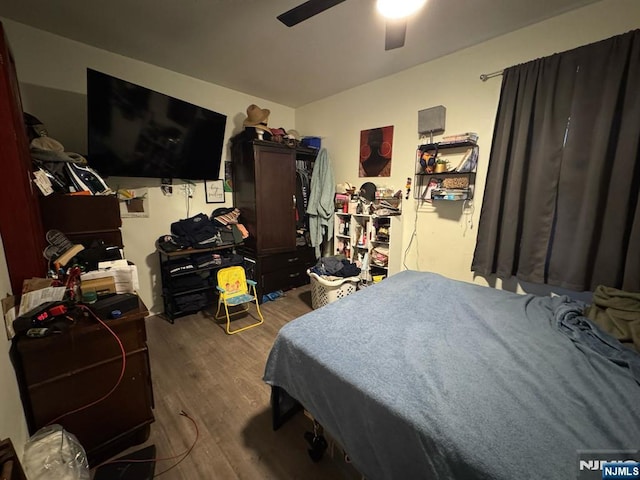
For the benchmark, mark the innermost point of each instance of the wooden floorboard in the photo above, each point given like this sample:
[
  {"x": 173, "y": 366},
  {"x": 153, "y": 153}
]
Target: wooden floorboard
[{"x": 217, "y": 379}]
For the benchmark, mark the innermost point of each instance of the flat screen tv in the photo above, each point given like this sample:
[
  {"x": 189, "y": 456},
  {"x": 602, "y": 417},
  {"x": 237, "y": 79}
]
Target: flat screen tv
[{"x": 136, "y": 132}]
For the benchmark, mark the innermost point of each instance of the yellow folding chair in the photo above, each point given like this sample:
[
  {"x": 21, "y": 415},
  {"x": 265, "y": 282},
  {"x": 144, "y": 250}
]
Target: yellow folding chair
[{"x": 233, "y": 287}]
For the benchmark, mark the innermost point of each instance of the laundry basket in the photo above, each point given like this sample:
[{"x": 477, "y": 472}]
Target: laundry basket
[{"x": 324, "y": 290}]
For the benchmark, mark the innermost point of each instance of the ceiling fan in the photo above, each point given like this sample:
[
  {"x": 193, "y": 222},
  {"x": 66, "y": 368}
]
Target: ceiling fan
[{"x": 396, "y": 24}]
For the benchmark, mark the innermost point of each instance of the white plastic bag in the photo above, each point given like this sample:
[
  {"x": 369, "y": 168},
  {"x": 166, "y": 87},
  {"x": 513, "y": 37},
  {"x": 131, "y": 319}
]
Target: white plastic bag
[{"x": 54, "y": 453}]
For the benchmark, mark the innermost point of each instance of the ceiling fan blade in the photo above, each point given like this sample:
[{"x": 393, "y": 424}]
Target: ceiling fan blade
[
  {"x": 395, "y": 33},
  {"x": 306, "y": 10}
]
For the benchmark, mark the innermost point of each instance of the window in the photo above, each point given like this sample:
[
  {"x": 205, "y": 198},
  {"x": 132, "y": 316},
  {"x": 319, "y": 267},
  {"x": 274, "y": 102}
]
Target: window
[{"x": 561, "y": 203}]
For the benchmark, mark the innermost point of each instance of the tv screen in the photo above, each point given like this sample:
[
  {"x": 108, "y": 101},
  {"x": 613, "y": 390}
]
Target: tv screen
[{"x": 136, "y": 132}]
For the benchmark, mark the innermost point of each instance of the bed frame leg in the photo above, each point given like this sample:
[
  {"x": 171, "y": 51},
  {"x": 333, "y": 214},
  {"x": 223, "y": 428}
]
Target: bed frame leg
[{"x": 283, "y": 407}]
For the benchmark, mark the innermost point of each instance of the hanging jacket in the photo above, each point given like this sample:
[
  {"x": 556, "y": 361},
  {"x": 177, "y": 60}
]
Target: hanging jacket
[{"x": 321, "y": 201}]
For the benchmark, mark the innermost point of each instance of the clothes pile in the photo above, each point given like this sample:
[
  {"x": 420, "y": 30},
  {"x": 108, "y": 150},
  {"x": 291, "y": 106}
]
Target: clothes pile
[
  {"x": 617, "y": 312},
  {"x": 202, "y": 231},
  {"x": 56, "y": 170},
  {"x": 336, "y": 266}
]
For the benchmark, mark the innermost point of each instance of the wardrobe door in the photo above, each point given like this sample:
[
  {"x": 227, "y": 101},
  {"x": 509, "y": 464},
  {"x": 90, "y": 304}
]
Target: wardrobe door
[
  {"x": 20, "y": 225},
  {"x": 275, "y": 174}
]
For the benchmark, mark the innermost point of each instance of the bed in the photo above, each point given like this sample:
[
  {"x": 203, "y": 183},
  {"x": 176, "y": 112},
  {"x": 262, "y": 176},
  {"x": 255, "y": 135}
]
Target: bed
[{"x": 421, "y": 376}]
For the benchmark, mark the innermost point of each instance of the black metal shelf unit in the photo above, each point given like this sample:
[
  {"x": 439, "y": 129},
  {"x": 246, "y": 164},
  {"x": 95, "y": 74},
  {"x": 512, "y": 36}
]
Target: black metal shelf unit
[
  {"x": 449, "y": 183},
  {"x": 188, "y": 287}
]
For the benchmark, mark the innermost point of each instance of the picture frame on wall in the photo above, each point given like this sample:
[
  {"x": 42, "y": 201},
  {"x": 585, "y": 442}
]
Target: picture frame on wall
[
  {"x": 376, "y": 147},
  {"x": 214, "y": 191}
]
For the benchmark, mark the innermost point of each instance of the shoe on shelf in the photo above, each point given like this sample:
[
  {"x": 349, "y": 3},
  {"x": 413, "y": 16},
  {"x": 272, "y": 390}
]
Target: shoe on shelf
[{"x": 60, "y": 248}]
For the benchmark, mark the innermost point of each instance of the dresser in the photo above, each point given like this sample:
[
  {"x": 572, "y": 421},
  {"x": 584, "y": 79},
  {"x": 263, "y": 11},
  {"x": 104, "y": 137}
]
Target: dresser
[
  {"x": 64, "y": 372},
  {"x": 83, "y": 218}
]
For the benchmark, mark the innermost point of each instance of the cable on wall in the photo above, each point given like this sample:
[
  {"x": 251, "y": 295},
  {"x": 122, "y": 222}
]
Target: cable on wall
[
  {"x": 188, "y": 189},
  {"x": 413, "y": 235},
  {"x": 468, "y": 208}
]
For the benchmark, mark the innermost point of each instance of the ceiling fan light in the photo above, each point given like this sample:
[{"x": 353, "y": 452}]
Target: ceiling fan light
[{"x": 399, "y": 8}]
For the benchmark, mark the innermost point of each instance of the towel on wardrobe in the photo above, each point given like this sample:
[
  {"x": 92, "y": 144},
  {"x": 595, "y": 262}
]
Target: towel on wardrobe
[{"x": 321, "y": 201}]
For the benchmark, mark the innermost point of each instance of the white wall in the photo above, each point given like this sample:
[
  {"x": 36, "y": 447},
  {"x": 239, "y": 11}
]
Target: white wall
[
  {"x": 52, "y": 75},
  {"x": 12, "y": 421},
  {"x": 445, "y": 238}
]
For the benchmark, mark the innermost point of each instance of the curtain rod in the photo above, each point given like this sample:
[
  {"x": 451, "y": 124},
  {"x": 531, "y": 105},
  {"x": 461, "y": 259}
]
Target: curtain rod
[{"x": 486, "y": 76}]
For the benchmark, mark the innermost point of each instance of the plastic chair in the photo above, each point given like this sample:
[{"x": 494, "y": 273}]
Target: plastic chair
[{"x": 233, "y": 287}]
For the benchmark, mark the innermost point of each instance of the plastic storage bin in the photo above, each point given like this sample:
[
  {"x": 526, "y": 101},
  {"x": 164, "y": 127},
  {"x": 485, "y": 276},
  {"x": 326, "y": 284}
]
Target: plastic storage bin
[
  {"x": 324, "y": 291},
  {"x": 312, "y": 142}
]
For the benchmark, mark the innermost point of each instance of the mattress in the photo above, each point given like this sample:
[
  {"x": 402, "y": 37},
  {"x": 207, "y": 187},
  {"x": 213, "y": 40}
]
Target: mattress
[{"x": 421, "y": 376}]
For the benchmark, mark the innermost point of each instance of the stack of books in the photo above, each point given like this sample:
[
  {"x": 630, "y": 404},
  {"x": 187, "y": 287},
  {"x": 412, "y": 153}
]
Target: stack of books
[
  {"x": 450, "y": 194},
  {"x": 471, "y": 137}
]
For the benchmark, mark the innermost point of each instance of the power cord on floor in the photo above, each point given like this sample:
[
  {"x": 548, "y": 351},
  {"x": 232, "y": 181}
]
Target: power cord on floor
[
  {"x": 184, "y": 454},
  {"x": 188, "y": 451}
]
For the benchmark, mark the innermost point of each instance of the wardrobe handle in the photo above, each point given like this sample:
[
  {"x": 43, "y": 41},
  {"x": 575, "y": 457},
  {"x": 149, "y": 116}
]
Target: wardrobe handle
[
  {"x": 291, "y": 260},
  {"x": 294, "y": 275}
]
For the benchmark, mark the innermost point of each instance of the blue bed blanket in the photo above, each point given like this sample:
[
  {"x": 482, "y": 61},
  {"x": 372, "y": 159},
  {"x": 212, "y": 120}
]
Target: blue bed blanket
[{"x": 421, "y": 376}]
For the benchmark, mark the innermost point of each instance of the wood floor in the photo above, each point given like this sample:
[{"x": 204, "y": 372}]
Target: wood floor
[{"x": 217, "y": 379}]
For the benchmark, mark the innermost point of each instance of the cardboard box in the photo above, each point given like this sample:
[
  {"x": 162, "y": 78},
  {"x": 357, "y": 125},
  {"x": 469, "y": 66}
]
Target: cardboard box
[{"x": 101, "y": 286}]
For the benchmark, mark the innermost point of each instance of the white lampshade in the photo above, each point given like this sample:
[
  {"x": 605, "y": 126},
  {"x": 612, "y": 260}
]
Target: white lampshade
[{"x": 399, "y": 8}]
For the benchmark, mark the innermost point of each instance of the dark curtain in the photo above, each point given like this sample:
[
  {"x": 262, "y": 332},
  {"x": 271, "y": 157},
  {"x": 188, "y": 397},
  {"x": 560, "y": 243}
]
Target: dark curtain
[{"x": 561, "y": 202}]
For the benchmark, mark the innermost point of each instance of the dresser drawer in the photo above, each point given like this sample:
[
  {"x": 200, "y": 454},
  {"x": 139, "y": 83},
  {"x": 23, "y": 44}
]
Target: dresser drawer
[
  {"x": 128, "y": 407},
  {"x": 301, "y": 257},
  {"x": 45, "y": 359},
  {"x": 279, "y": 261},
  {"x": 284, "y": 279},
  {"x": 82, "y": 213}
]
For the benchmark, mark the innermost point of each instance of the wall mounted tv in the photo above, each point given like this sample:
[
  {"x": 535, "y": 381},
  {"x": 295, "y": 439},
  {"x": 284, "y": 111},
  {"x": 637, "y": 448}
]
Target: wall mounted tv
[{"x": 136, "y": 132}]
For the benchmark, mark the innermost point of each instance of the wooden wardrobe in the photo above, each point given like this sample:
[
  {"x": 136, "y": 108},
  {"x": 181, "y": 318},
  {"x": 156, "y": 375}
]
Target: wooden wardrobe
[
  {"x": 20, "y": 222},
  {"x": 264, "y": 189}
]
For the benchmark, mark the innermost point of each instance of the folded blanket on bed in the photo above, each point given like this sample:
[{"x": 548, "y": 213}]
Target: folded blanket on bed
[
  {"x": 617, "y": 312},
  {"x": 569, "y": 320}
]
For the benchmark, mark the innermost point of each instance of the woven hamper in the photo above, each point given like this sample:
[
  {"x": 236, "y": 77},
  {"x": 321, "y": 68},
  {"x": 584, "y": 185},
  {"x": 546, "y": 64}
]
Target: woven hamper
[{"x": 324, "y": 291}]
